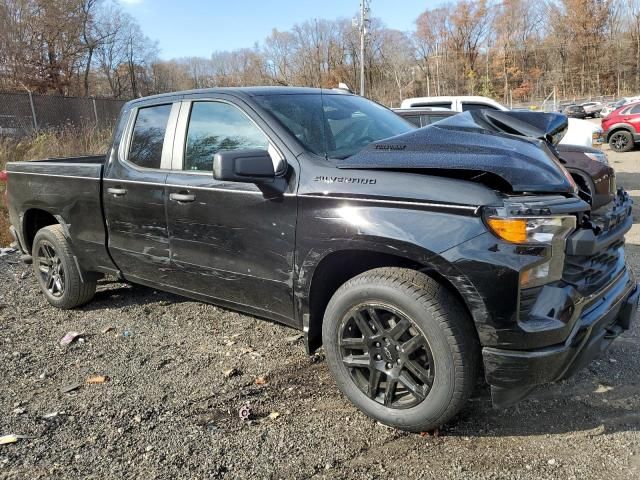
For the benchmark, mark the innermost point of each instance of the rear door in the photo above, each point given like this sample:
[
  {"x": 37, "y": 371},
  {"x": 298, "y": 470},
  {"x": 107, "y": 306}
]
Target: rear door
[
  {"x": 231, "y": 242},
  {"x": 134, "y": 195}
]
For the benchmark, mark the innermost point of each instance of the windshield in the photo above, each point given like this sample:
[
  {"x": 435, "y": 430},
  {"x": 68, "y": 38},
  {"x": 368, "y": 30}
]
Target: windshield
[{"x": 334, "y": 125}]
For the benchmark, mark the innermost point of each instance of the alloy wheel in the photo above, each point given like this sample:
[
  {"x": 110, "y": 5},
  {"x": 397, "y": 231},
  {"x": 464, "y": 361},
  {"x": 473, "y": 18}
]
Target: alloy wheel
[
  {"x": 51, "y": 269},
  {"x": 619, "y": 141},
  {"x": 387, "y": 355}
]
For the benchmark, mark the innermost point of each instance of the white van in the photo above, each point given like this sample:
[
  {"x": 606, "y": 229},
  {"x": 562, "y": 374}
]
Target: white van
[{"x": 580, "y": 132}]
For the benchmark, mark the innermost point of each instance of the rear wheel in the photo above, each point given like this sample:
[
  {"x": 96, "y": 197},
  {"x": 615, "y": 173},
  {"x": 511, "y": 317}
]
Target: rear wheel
[
  {"x": 621, "y": 141},
  {"x": 57, "y": 272},
  {"x": 401, "y": 348}
]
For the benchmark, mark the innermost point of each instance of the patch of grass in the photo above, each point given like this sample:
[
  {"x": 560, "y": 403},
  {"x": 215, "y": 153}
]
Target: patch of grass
[{"x": 47, "y": 144}]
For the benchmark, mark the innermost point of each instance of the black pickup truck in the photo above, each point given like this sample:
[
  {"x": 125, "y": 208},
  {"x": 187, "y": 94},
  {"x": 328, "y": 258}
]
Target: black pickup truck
[{"x": 419, "y": 258}]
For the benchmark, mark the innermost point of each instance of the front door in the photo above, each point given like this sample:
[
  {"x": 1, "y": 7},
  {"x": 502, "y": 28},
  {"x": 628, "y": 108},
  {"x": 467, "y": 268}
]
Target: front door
[{"x": 229, "y": 241}]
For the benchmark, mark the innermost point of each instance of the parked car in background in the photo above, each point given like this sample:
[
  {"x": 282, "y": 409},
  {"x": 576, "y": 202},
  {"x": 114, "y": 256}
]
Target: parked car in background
[
  {"x": 418, "y": 258},
  {"x": 592, "y": 109},
  {"x": 615, "y": 105},
  {"x": 575, "y": 111},
  {"x": 607, "y": 109},
  {"x": 588, "y": 166},
  {"x": 622, "y": 127},
  {"x": 580, "y": 132}
]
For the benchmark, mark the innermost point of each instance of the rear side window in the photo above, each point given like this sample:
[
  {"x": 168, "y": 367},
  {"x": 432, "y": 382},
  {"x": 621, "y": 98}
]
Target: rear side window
[
  {"x": 635, "y": 109},
  {"x": 215, "y": 126},
  {"x": 148, "y": 136}
]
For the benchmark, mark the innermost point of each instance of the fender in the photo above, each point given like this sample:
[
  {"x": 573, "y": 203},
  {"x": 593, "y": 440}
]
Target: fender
[{"x": 349, "y": 232}]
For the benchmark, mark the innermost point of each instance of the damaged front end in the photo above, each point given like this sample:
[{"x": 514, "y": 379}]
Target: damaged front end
[
  {"x": 571, "y": 314},
  {"x": 551, "y": 289}
]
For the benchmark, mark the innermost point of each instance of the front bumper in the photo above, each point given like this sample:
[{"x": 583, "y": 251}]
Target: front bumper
[{"x": 512, "y": 374}]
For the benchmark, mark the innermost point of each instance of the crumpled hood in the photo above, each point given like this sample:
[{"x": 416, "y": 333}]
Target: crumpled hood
[{"x": 476, "y": 141}]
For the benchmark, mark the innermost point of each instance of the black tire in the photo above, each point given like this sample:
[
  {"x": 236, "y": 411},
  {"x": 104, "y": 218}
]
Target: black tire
[
  {"x": 449, "y": 359},
  {"x": 621, "y": 141},
  {"x": 57, "y": 272}
]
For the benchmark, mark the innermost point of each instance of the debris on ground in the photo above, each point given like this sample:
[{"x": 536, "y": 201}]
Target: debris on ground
[
  {"x": 69, "y": 338},
  {"x": 70, "y": 387},
  {"x": 316, "y": 358},
  {"x": 50, "y": 416},
  {"x": 261, "y": 381},
  {"x": 6, "y": 251},
  {"x": 431, "y": 433},
  {"x": 245, "y": 412},
  {"x": 126, "y": 333},
  {"x": 232, "y": 372},
  {"x": 107, "y": 329},
  {"x": 273, "y": 415},
  {"x": 7, "y": 439},
  {"x": 294, "y": 338},
  {"x": 603, "y": 389},
  {"x": 97, "y": 379},
  {"x": 19, "y": 411}
]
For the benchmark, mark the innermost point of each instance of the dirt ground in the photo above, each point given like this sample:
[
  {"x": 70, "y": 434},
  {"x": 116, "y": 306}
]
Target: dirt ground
[{"x": 179, "y": 371}]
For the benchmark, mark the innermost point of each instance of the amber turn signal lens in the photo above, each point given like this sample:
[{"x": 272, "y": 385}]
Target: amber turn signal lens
[{"x": 512, "y": 230}]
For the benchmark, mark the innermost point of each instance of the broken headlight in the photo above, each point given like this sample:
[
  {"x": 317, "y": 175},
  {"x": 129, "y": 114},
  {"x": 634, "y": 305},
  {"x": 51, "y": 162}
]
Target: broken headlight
[{"x": 550, "y": 232}]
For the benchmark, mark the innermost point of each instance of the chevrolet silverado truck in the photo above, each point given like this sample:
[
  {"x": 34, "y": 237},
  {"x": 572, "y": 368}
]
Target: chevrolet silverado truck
[{"x": 418, "y": 258}]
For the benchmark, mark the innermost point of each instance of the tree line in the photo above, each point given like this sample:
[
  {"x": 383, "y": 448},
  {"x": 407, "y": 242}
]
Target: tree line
[{"x": 518, "y": 50}]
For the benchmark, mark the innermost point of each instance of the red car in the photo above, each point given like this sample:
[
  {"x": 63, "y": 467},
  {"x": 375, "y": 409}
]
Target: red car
[{"x": 622, "y": 127}]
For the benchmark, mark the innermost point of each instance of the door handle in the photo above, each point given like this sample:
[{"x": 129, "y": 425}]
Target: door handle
[
  {"x": 182, "y": 197},
  {"x": 117, "y": 192}
]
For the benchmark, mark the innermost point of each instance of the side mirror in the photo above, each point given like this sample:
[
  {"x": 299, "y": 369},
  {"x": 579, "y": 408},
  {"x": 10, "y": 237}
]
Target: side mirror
[{"x": 247, "y": 166}]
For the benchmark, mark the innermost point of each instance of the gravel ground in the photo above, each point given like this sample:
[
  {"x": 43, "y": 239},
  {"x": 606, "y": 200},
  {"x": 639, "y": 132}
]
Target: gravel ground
[{"x": 179, "y": 371}]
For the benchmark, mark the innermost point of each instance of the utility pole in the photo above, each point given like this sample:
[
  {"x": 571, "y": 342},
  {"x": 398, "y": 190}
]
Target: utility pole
[{"x": 364, "y": 20}]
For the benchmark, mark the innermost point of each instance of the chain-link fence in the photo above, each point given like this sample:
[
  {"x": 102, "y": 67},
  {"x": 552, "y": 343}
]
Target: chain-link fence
[{"x": 21, "y": 113}]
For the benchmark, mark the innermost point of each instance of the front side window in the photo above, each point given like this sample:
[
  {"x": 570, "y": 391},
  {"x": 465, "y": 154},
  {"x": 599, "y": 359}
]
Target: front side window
[
  {"x": 215, "y": 126},
  {"x": 148, "y": 136}
]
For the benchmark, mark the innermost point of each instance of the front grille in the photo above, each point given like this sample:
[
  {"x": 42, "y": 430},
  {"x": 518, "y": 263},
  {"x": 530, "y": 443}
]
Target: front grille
[{"x": 588, "y": 274}]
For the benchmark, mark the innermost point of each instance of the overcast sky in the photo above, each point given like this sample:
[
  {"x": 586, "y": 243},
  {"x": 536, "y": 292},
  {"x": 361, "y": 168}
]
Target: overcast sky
[{"x": 198, "y": 27}]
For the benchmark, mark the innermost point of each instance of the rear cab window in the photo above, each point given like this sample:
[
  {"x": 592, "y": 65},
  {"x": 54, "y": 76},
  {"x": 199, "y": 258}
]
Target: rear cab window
[
  {"x": 148, "y": 135},
  {"x": 432, "y": 105},
  {"x": 469, "y": 106},
  {"x": 415, "y": 119}
]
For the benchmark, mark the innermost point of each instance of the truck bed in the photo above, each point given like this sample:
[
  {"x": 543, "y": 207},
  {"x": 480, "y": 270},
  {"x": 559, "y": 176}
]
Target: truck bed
[{"x": 70, "y": 190}]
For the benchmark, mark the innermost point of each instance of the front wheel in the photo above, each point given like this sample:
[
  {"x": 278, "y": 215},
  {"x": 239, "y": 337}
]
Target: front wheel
[
  {"x": 621, "y": 141},
  {"x": 58, "y": 275},
  {"x": 401, "y": 348}
]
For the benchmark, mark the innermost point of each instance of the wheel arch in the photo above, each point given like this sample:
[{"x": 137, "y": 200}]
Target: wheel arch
[
  {"x": 34, "y": 220},
  {"x": 616, "y": 128},
  {"x": 338, "y": 267}
]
